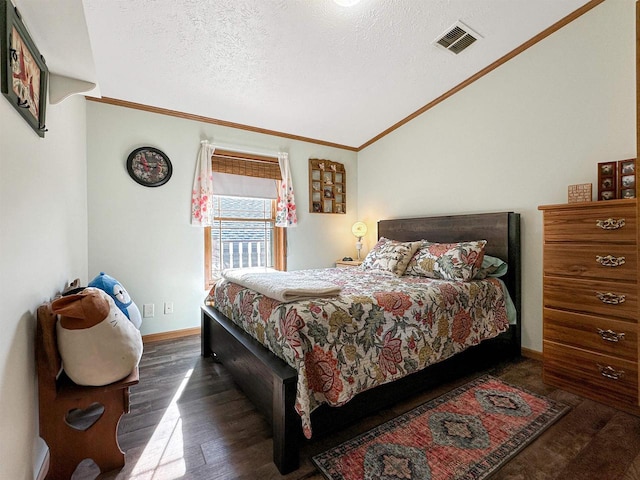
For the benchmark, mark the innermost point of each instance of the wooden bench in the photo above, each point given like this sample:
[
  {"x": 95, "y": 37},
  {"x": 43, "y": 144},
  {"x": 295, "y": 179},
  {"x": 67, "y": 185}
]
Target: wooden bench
[{"x": 76, "y": 422}]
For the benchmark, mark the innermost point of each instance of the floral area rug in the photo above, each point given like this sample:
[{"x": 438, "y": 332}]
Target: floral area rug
[{"x": 467, "y": 433}]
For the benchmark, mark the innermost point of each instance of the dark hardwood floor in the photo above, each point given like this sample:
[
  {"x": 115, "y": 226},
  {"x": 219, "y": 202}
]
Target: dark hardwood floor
[{"x": 188, "y": 420}]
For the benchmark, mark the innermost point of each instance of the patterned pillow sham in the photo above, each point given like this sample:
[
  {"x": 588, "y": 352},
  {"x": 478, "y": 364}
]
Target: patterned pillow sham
[
  {"x": 448, "y": 261},
  {"x": 390, "y": 256}
]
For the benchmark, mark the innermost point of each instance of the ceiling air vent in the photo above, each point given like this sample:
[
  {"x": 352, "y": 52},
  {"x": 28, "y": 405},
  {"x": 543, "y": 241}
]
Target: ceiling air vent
[{"x": 456, "y": 38}]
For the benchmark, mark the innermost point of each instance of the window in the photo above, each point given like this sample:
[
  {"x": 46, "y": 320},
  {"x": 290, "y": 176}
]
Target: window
[{"x": 243, "y": 232}]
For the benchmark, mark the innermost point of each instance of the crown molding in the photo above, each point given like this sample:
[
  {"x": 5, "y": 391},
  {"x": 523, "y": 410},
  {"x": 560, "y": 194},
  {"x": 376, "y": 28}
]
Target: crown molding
[{"x": 215, "y": 121}]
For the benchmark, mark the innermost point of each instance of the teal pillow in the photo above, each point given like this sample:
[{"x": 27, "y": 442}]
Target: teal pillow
[{"x": 491, "y": 267}]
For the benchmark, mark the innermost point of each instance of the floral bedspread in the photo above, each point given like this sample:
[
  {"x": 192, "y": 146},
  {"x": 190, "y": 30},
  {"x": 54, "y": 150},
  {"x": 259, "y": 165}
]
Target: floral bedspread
[{"x": 379, "y": 329}]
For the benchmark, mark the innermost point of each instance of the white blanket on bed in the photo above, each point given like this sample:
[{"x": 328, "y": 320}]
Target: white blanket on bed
[{"x": 283, "y": 286}]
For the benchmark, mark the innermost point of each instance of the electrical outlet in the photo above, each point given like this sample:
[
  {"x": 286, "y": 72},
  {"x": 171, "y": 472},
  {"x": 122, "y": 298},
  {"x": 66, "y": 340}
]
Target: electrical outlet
[
  {"x": 148, "y": 310},
  {"x": 168, "y": 308}
]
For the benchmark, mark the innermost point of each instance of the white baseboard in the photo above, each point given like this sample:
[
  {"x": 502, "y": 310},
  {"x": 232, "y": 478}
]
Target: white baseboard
[{"x": 44, "y": 468}]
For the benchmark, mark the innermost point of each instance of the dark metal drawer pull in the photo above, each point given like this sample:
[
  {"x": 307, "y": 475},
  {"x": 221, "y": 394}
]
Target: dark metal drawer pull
[
  {"x": 610, "y": 260},
  {"x": 610, "y": 224},
  {"x": 610, "y": 372},
  {"x": 611, "y": 298},
  {"x": 610, "y": 335}
]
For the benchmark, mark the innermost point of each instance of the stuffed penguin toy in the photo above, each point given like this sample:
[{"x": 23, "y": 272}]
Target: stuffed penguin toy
[
  {"x": 119, "y": 295},
  {"x": 97, "y": 342}
]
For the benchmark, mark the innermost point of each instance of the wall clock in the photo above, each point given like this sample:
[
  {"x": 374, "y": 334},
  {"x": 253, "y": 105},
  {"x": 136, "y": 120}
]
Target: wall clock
[{"x": 149, "y": 166}]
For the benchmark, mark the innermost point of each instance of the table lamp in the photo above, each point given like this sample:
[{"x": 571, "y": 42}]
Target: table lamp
[{"x": 359, "y": 230}]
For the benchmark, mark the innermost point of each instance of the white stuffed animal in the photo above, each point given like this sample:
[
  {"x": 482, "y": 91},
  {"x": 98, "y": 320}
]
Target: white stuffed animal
[{"x": 97, "y": 342}]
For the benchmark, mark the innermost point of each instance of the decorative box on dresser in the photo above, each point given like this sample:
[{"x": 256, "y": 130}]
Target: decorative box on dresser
[{"x": 590, "y": 300}]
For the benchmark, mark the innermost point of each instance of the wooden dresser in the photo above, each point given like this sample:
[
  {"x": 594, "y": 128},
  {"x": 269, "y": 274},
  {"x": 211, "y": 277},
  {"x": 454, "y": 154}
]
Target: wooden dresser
[{"x": 590, "y": 300}]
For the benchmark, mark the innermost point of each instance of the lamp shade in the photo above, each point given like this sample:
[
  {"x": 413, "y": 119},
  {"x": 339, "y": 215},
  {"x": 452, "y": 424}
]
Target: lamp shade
[{"x": 359, "y": 229}]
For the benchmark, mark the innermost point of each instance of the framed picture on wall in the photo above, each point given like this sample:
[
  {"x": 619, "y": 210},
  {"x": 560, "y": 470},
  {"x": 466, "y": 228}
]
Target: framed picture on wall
[{"x": 24, "y": 73}]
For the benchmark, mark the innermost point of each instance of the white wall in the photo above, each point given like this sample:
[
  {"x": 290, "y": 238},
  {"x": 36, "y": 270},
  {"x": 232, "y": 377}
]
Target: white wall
[
  {"x": 516, "y": 139},
  {"x": 43, "y": 245},
  {"x": 142, "y": 236}
]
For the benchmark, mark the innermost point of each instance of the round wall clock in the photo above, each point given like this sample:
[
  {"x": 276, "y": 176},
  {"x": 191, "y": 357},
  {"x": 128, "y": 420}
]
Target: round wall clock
[{"x": 149, "y": 166}]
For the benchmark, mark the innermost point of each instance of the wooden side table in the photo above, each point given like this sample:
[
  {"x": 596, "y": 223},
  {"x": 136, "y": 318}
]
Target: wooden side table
[{"x": 348, "y": 263}]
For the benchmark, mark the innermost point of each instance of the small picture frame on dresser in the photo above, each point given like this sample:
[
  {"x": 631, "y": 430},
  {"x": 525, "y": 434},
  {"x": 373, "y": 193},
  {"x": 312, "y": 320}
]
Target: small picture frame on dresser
[
  {"x": 627, "y": 178},
  {"x": 607, "y": 181}
]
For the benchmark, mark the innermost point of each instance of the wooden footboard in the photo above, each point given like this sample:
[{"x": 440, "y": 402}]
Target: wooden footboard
[{"x": 265, "y": 379}]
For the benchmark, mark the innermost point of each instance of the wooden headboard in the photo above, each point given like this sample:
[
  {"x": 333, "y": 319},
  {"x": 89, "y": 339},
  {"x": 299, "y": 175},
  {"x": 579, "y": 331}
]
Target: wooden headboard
[{"x": 500, "y": 230}]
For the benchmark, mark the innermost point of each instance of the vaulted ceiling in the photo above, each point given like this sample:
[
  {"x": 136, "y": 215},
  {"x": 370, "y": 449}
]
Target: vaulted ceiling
[{"x": 307, "y": 68}]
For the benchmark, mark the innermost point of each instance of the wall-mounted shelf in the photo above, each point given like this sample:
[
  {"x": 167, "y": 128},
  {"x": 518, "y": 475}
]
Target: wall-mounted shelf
[
  {"x": 62, "y": 87},
  {"x": 327, "y": 186}
]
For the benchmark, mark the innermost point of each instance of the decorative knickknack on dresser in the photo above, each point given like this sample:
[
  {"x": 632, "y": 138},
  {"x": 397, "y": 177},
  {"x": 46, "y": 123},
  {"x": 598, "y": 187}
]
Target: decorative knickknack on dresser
[{"x": 590, "y": 296}]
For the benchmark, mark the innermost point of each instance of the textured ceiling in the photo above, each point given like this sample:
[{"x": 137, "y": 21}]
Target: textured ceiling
[{"x": 303, "y": 67}]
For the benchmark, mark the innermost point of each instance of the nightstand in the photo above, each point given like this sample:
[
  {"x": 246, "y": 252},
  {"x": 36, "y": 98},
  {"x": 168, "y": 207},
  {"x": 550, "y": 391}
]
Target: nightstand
[{"x": 348, "y": 263}]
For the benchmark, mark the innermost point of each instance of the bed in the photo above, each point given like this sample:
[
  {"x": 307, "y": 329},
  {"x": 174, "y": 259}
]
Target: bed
[{"x": 271, "y": 383}]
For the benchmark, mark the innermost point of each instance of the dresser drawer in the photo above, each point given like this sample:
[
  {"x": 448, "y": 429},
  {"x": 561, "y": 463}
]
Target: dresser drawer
[
  {"x": 601, "y": 335},
  {"x": 603, "y": 378},
  {"x": 610, "y": 299},
  {"x": 608, "y": 262},
  {"x": 594, "y": 223}
]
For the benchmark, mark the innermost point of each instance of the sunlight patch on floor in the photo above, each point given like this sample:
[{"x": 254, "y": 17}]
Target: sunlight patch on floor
[{"x": 163, "y": 457}]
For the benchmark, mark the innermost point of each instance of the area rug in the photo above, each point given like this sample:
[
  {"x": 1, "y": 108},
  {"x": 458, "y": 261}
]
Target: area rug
[{"x": 467, "y": 433}]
